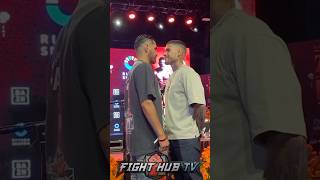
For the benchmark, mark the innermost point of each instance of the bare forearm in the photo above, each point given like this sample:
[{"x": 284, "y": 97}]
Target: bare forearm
[
  {"x": 199, "y": 114},
  {"x": 151, "y": 114},
  {"x": 287, "y": 157}
]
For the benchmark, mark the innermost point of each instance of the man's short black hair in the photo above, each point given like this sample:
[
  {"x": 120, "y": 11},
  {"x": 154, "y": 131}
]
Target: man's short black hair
[{"x": 142, "y": 39}]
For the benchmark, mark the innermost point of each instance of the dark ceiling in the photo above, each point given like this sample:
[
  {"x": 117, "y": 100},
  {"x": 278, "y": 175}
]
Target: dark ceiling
[
  {"x": 198, "y": 42},
  {"x": 178, "y": 7},
  {"x": 292, "y": 20}
]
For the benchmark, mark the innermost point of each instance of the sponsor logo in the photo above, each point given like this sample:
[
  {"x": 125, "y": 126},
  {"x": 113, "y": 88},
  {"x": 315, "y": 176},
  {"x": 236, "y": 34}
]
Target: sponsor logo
[
  {"x": 20, "y": 96},
  {"x": 21, "y": 138},
  {"x": 21, "y": 169},
  {"x": 129, "y": 61},
  {"x": 55, "y": 13}
]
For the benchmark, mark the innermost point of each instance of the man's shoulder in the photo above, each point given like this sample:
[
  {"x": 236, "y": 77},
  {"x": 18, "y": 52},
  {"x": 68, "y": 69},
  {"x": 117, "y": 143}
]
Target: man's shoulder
[
  {"x": 188, "y": 70},
  {"x": 141, "y": 69},
  {"x": 241, "y": 24},
  {"x": 141, "y": 66}
]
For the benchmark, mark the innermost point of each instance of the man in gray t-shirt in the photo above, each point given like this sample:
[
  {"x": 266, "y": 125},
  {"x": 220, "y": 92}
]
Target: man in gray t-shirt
[
  {"x": 144, "y": 111},
  {"x": 258, "y": 126}
]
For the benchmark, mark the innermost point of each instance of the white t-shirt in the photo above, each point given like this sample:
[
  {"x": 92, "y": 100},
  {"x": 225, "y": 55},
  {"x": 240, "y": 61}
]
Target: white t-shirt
[{"x": 183, "y": 89}]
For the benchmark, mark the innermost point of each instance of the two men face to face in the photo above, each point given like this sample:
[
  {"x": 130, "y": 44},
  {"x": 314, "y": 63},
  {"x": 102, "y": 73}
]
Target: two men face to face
[{"x": 172, "y": 53}]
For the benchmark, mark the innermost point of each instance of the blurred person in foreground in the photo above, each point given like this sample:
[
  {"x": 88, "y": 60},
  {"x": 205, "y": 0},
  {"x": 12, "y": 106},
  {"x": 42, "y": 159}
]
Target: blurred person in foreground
[
  {"x": 258, "y": 124},
  {"x": 77, "y": 124}
]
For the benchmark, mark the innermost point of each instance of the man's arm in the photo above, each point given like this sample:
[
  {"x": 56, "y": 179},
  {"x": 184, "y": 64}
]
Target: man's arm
[
  {"x": 287, "y": 156},
  {"x": 195, "y": 94},
  {"x": 151, "y": 114},
  {"x": 271, "y": 97},
  {"x": 199, "y": 114}
]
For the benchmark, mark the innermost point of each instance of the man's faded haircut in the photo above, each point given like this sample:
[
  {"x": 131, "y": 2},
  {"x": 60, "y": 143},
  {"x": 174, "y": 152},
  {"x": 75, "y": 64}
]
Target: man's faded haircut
[
  {"x": 179, "y": 43},
  {"x": 142, "y": 39}
]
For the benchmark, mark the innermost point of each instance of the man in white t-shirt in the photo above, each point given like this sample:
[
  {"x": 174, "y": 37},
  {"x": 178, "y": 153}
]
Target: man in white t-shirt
[{"x": 184, "y": 108}]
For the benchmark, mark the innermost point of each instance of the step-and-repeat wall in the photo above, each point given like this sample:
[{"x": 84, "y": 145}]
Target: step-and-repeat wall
[{"x": 28, "y": 32}]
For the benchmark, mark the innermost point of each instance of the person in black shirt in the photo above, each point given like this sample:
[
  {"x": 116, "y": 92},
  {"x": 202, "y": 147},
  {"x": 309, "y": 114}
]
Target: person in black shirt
[{"x": 77, "y": 123}]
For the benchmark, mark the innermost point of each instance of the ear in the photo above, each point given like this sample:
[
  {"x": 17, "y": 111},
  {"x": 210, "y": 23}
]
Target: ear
[
  {"x": 179, "y": 52},
  {"x": 146, "y": 48}
]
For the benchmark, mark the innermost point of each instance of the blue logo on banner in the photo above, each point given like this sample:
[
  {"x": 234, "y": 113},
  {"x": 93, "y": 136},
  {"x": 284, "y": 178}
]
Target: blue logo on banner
[
  {"x": 128, "y": 62},
  {"x": 116, "y": 127},
  {"x": 21, "y": 133},
  {"x": 55, "y": 12}
]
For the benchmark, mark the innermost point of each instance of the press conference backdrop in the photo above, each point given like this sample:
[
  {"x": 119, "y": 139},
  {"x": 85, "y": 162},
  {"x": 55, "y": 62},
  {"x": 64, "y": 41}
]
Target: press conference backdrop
[{"x": 28, "y": 32}]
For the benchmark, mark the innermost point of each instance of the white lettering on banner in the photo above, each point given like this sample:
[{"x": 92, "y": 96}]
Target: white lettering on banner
[
  {"x": 47, "y": 43},
  {"x": 124, "y": 75},
  {"x": 21, "y": 142},
  {"x": 46, "y": 51},
  {"x": 160, "y": 166}
]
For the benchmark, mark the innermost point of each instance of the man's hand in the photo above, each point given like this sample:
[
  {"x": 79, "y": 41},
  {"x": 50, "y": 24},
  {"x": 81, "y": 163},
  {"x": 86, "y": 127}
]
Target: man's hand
[
  {"x": 287, "y": 157},
  {"x": 164, "y": 145}
]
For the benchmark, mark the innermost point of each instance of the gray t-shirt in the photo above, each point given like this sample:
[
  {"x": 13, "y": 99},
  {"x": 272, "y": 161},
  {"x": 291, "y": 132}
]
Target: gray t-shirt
[
  {"x": 255, "y": 89},
  {"x": 141, "y": 85}
]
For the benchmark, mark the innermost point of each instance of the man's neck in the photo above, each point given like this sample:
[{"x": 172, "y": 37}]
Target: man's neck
[
  {"x": 143, "y": 59},
  {"x": 221, "y": 10},
  {"x": 176, "y": 65}
]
